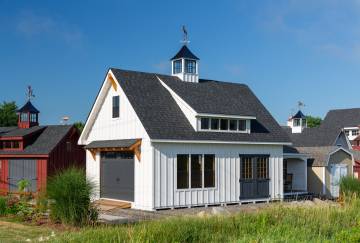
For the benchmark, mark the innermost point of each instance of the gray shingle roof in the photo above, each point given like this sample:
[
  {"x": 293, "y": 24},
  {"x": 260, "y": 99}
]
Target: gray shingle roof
[
  {"x": 342, "y": 118},
  {"x": 319, "y": 155},
  {"x": 310, "y": 137},
  {"x": 122, "y": 143},
  {"x": 22, "y": 132},
  {"x": 46, "y": 140},
  {"x": 163, "y": 119}
]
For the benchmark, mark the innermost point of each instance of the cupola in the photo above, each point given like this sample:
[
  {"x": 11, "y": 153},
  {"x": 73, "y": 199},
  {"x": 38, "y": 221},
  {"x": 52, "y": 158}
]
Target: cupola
[
  {"x": 185, "y": 64},
  {"x": 28, "y": 115},
  {"x": 297, "y": 122}
]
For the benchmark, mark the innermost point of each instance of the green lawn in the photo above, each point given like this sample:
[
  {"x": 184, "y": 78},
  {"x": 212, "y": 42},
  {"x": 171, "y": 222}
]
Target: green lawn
[
  {"x": 276, "y": 223},
  {"x": 16, "y": 232}
]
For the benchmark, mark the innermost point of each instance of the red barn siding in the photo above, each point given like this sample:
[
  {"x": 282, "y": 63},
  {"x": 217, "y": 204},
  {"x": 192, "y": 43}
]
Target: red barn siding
[
  {"x": 4, "y": 175},
  {"x": 63, "y": 157},
  {"x": 41, "y": 171}
]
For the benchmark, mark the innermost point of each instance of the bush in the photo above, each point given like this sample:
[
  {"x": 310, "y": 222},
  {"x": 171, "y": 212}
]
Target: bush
[
  {"x": 70, "y": 193},
  {"x": 349, "y": 187},
  {"x": 3, "y": 206}
]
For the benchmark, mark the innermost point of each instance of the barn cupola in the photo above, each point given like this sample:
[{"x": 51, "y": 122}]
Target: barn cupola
[
  {"x": 297, "y": 122},
  {"x": 28, "y": 115},
  {"x": 185, "y": 64}
]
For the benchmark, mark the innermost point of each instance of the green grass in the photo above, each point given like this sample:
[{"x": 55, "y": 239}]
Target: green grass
[
  {"x": 16, "y": 232},
  {"x": 276, "y": 223},
  {"x": 273, "y": 224}
]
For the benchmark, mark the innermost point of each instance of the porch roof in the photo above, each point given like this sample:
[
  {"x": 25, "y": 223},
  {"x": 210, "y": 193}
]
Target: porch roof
[{"x": 121, "y": 143}]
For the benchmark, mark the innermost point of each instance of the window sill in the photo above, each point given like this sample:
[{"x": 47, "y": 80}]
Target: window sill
[{"x": 196, "y": 189}]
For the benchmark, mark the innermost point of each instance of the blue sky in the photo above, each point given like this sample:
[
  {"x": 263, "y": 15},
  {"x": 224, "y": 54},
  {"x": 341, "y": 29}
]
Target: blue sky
[{"x": 285, "y": 51}]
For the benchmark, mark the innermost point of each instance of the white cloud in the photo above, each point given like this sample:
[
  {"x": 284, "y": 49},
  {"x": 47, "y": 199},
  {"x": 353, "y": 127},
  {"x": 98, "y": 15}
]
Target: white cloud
[{"x": 32, "y": 25}]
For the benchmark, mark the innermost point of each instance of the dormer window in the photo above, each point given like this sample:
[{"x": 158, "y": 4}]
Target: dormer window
[
  {"x": 214, "y": 124},
  {"x": 296, "y": 122},
  {"x": 190, "y": 66},
  {"x": 177, "y": 66}
]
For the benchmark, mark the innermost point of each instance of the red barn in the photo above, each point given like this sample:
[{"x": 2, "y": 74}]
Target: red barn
[{"x": 34, "y": 152}]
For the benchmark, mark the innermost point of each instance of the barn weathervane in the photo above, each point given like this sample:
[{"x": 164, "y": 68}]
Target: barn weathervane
[
  {"x": 300, "y": 104},
  {"x": 30, "y": 93},
  {"x": 185, "y": 40}
]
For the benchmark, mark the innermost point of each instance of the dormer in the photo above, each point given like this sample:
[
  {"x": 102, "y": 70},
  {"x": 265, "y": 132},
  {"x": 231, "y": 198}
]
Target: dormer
[
  {"x": 28, "y": 116},
  {"x": 185, "y": 65},
  {"x": 297, "y": 122}
]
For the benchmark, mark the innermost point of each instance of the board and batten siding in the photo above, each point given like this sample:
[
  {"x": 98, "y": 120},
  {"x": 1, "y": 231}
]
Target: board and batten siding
[
  {"x": 127, "y": 126},
  {"x": 227, "y": 173}
]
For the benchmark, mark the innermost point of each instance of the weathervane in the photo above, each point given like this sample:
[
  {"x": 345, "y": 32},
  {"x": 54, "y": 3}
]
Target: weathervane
[
  {"x": 29, "y": 94},
  {"x": 185, "y": 40},
  {"x": 300, "y": 104}
]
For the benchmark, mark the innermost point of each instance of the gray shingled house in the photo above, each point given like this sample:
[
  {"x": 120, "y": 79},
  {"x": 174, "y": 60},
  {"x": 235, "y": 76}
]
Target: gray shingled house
[
  {"x": 167, "y": 141},
  {"x": 329, "y": 152}
]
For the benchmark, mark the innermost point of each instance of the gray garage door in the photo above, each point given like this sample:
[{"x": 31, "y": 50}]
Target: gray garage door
[
  {"x": 20, "y": 169},
  {"x": 117, "y": 176}
]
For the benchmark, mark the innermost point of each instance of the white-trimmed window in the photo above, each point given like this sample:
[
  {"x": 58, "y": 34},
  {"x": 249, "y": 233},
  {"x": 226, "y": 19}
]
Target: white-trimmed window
[
  {"x": 195, "y": 171},
  {"x": 115, "y": 106},
  {"x": 214, "y": 124},
  {"x": 355, "y": 132}
]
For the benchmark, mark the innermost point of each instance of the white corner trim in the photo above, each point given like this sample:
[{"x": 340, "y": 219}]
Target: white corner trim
[
  {"x": 217, "y": 142},
  {"x": 324, "y": 181},
  {"x": 175, "y": 95},
  {"x": 90, "y": 119}
]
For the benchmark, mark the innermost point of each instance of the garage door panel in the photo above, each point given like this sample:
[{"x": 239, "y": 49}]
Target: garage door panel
[
  {"x": 20, "y": 169},
  {"x": 117, "y": 176}
]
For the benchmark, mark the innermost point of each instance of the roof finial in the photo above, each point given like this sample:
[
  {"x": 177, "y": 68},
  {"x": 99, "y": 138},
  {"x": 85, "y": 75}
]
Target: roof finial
[
  {"x": 29, "y": 94},
  {"x": 300, "y": 104},
  {"x": 185, "y": 40}
]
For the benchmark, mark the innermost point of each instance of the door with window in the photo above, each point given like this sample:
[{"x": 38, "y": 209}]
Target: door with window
[{"x": 254, "y": 176}]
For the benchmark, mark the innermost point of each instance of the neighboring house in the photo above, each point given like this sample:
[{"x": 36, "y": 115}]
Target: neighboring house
[
  {"x": 346, "y": 119},
  {"x": 34, "y": 152},
  {"x": 329, "y": 155},
  {"x": 168, "y": 141}
]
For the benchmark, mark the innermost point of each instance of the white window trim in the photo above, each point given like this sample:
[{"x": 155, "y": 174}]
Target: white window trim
[
  {"x": 203, "y": 172},
  {"x": 247, "y": 130}
]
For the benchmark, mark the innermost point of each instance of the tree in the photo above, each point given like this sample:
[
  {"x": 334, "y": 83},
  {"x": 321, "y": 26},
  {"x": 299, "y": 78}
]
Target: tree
[
  {"x": 8, "y": 116},
  {"x": 79, "y": 125},
  {"x": 313, "y": 121}
]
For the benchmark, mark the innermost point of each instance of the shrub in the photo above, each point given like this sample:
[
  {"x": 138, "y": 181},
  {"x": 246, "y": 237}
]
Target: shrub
[
  {"x": 70, "y": 193},
  {"x": 3, "y": 206},
  {"x": 349, "y": 187}
]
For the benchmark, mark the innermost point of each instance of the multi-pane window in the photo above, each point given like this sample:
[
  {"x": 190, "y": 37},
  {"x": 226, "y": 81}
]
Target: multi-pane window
[
  {"x": 224, "y": 124},
  {"x": 177, "y": 66},
  {"x": 242, "y": 125},
  {"x": 182, "y": 171},
  {"x": 204, "y": 123},
  {"x": 214, "y": 124},
  {"x": 233, "y": 125},
  {"x": 247, "y": 169},
  {"x": 115, "y": 106},
  {"x": 33, "y": 117},
  {"x": 24, "y": 117},
  {"x": 355, "y": 132},
  {"x": 195, "y": 171},
  {"x": 347, "y": 132},
  {"x": 261, "y": 168},
  {"x": 254, "y": 167},
  {"x": 304, "y": 122},
  {"x": 296, "y": 122},
  {"x": 190, "y": 66},
  {"x": 209, "y": 170}
]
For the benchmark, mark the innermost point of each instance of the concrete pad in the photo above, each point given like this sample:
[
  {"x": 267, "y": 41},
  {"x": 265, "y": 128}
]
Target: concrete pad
[{"x": 113, "y": 219}]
